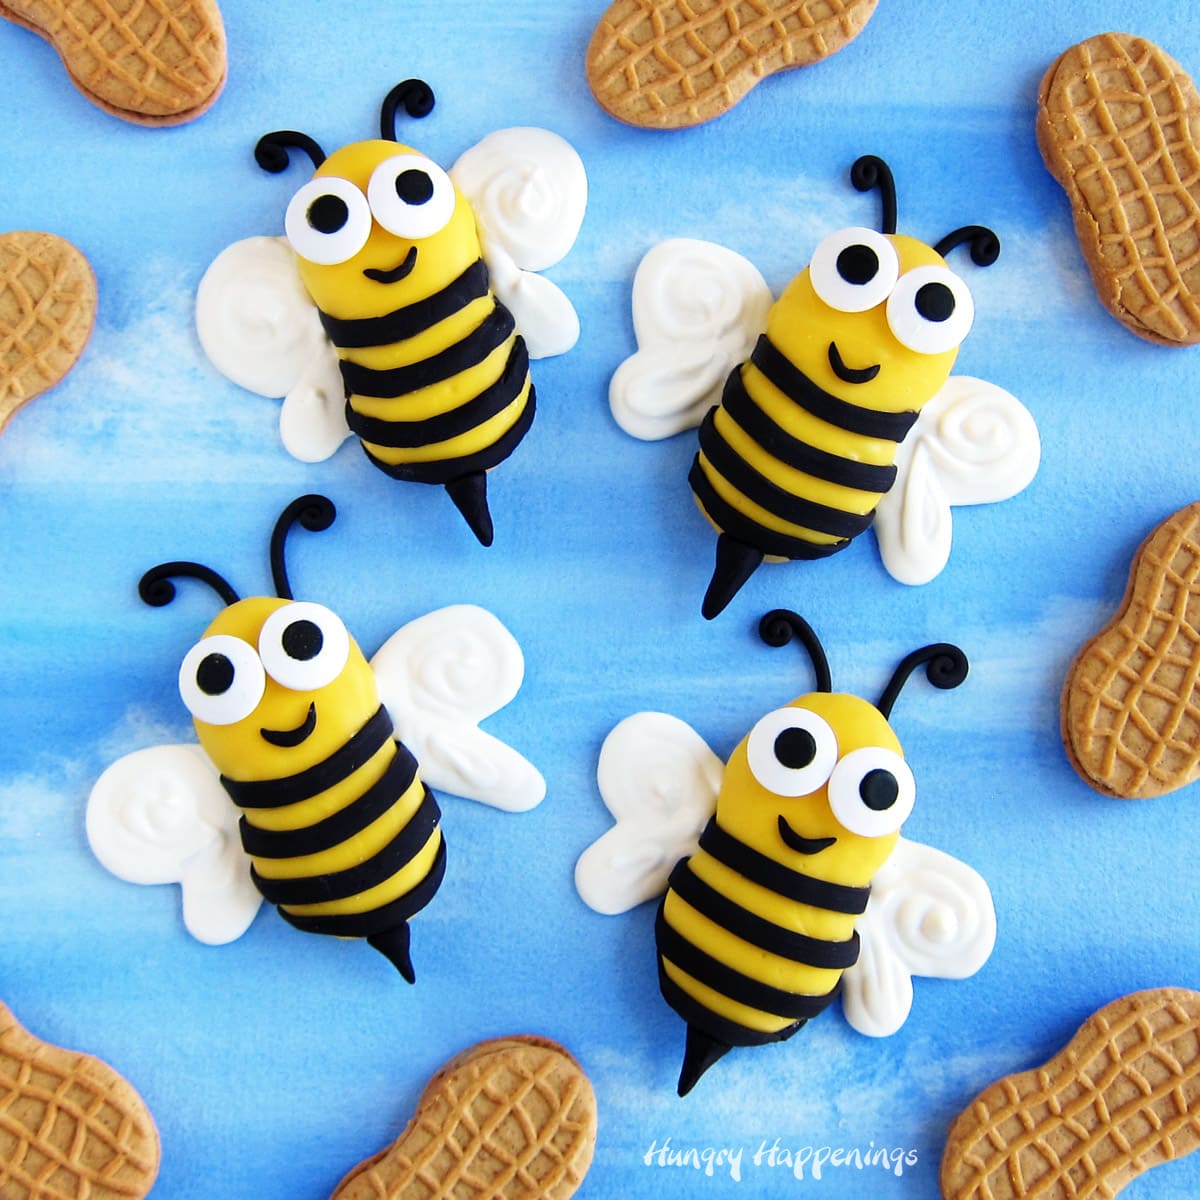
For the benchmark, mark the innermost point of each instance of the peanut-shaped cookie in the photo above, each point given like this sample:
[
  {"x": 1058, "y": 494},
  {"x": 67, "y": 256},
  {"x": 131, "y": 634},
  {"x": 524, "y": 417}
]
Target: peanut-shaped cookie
[{"x": 1131, "y": 703}]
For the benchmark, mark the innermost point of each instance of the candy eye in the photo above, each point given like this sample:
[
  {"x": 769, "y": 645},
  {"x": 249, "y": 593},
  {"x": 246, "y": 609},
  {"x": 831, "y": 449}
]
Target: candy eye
[
  {"x": 221, "y": 680},
  {"x": 871, "y": 792},
  {"x": 854, "y": 269},
  {"x": 303, "y": 646},
  {"x": 411, "y": 196},
  {"x": 931, "y": 310},
  {"x": 328, "y": 220},
  {"x": 791, "y": 751}
]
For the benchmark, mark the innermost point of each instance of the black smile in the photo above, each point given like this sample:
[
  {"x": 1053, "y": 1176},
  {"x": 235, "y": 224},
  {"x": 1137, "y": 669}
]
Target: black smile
[
  {"x": 802, "y": 845},
  {"x": 398, "y": 272},
  {"x": 289, "y": 738},
  {"x": 850, "y": 374}
]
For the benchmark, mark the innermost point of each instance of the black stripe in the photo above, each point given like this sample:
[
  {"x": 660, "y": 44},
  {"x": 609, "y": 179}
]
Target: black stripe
[
  {"x": 701, "y": 966},
  {"x": 769, "y": 495},
  {"x": 399, "y": 433},
  {"x": 380, "y": 867},
  {"x": 336, "y": 828},
  {"x": 396, "y": 912},
  {"x": 797, "y": 386},
  {"x": 385, "y": 384},
  {"x": 744, "y": 529},
  {"x": 804, "y": 889},
  {"x": 357, "y": 333},
  {"x": 291, "y": 789},
  {"x": 746, "y": 413},
  {"x": 446, "y": 470},
  {"x": 717, "y": 1027},
  {"x": 750, "y": 927}
]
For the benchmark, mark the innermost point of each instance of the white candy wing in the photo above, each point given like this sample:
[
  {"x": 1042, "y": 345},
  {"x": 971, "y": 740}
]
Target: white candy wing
[
  {"x": 698, "y": 309},
  {"x": 439, "y": 676},
  {"x": 161, "y": 816},
  {"x": 659, "y": 780},
  {"x": 528, "y": 188},
  {"x": 974, "y": 443},
  {"x": 259, "y": 328},
  {"x": 929, "y": 914}
]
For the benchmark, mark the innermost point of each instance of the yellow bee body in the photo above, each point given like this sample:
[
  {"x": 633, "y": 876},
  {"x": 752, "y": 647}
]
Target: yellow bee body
[
  {"x": 796, "y": 456},
  {"x": 436, "y": 376},
  {"x": 758, "y": 925},
  {"x": 344, "y": 837}
]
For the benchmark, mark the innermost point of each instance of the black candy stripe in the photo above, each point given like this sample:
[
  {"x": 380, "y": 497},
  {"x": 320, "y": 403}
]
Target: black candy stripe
[
  {"x": 745, "y": 412},
  {"x": 389, "y": 382},
  {"x": 341, "y": 885},
  {"x": 388, "y": 916},
  {"x": 769, "y": 495},
  {"x": 361, "y": 332},
  {"x": 804, "y": 889},
  {"x": 797, "y": 386},
  {"x": 702, "y": 966},
  {"x": 343, "y": 824},
  {"x": 722, "y": 1029},
  {"x": 447, "y": 470},
  {"x": 398, "y": 433},
  {"x": 742, "y": 923},
  {"x": 744, "y": 529},
  {"x": 291, "y": 789}
]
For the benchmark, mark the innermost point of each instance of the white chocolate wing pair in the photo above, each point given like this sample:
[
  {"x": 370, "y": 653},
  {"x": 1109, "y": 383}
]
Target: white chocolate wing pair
[
  {"x": 160, "y": 815},
  {"x": 698, "y": 310},
  {"x": 929, "y": 914},
  {"x": 260, "y": 329}
]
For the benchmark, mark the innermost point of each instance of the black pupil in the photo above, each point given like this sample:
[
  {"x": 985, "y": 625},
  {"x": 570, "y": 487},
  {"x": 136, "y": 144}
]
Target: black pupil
[
  {"x": 858, "y": 264},
  {"x": 214, "y": 675},
  {"x": 935, "y": 302},
  {"x": 414, "y": 187},
  {"x": 328, "y": 213},
  {"x": 302, "y": 640},
  {"x": 795, "y": 748},
  {"x": 879, "y": 789}
]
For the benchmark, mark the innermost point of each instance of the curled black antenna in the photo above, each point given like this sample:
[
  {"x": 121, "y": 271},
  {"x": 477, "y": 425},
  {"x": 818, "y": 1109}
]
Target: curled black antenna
[
  {"x": 778, "y": 628},
  {"x": 870, "y": 172},
  {"x": 157, "y": 590},
  {"x": 984, "y": 244},
  {"x": 271, "y": 153},
  {"x": 315, "y": 513},
  {"x": 417, "y": 98},
  {"x": 945, "y": 667}
]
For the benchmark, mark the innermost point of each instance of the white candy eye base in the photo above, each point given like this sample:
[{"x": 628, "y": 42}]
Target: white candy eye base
[
  {"x": 930, "y": 310},
  {"x": 791, "y": 751},
  {"x": 328, "y": 220},
  {"x": 411, "y": 196},
  {"x": 872, "y": 791},
  {"x": 303, "y": 646},
  {"x": 854, "y": 269},
  {"x": 221, "y": 680}
]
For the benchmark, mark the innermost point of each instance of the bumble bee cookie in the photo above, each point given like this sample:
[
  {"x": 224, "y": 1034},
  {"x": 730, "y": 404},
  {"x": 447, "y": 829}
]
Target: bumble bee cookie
[
  {"x": 152, "y": 62},
  {"x": 69, "y": 1124},
  {"x": 513, "y": 1118},
  {"x": 1121, "y": 1097},
  {"x": 47, "y": 309},
  {"x": 1130, "y": 705},
  {"x": 669, "y": 64},
  {"x": 1119, "y": 127}
]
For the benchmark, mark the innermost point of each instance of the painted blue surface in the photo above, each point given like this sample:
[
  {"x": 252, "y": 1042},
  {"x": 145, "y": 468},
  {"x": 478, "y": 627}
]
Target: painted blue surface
[{"x": 274, "y": 1064}]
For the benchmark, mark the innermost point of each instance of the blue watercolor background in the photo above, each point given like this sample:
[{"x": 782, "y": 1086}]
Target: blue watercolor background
[{"x": 275, "y": 1064}]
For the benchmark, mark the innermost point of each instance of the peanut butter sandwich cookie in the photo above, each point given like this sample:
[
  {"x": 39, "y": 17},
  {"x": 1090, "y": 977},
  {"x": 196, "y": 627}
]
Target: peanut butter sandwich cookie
[
  {"x": 509, "y": 1119},
  {"x": 153, "y": 62},
  {"x": 1119, "y": 127},
  {"x": 1120, "y": 1098},
  {"x": 669, "y": 64}
]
